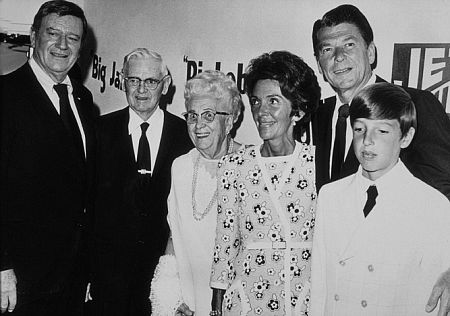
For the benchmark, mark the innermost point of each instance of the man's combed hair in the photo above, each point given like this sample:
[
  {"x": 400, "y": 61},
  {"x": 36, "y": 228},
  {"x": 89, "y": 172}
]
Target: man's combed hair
[
  {"x": 61, "y": 8},
  {"x": 144, "y": 53},
  {"x": 384, "y": 101}
]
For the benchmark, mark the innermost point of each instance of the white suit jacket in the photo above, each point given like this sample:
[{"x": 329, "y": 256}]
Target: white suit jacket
[{"x": 387, "y": 263}]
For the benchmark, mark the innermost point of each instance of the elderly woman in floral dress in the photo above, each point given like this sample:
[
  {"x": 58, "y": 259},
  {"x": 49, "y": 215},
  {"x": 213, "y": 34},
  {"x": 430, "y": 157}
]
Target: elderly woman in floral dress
[
  {"x": 267, "y": 196},
  {"x": 213, "y": 104}
]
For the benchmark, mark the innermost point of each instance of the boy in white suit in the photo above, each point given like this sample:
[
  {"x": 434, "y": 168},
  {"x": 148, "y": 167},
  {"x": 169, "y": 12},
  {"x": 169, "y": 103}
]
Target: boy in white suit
[{"x": 382, "y": 236}]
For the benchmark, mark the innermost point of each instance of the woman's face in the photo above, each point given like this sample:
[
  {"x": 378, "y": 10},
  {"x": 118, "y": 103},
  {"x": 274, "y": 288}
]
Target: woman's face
[
  {"x": 210, "y": 137},
  {"x": 271, "y": 111}
]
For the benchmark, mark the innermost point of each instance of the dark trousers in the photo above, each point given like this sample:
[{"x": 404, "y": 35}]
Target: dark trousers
[
  {"x": 68, "y": 302},
  {"x": 66, "y": 298},
  {"x": 127, "y": 299}
]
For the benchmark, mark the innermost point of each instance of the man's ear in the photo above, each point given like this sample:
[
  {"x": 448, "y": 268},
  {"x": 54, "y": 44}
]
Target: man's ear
[
  {"x": 407, "y": 139},
  {"x": 33, "y": 38},
  {"x": 371, "y": 52},
  {"x": 166, "y": 83},
  {"x": 122, "y": 80},
  {"x": 319, "y": 67}
]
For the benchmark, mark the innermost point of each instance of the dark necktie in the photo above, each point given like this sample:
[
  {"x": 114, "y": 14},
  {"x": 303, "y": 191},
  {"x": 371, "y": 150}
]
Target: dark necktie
[
  {"x": 68, "y": 118},
  {"x": 339, "y": 142},
  {"x": 143, "y": 156},
  {"x": 372, "y": 194}
]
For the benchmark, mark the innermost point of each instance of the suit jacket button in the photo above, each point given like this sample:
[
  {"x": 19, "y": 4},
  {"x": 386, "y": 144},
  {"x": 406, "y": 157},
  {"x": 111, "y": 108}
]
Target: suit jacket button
[
  {"x": 141, "y": 242},
  {"x": 342, "y": 263},
  {"x": 336, "y": 297},
  {"x": 370, "y": 268},
  {"x": 364, "y": 303}
]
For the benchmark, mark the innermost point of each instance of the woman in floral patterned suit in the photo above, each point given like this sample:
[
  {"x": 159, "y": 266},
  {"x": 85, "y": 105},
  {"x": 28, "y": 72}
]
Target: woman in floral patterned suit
[{"x": 267, "y": 198}]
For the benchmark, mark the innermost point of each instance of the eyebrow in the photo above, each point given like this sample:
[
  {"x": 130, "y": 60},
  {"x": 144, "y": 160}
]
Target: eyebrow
[
  {"x": 204, "y": 110},
  {"x": 328, "y": 40},
  {"x": 50, "y": 28},
  {"x": 380, "y": 121},
  {"x": 267, "y": 96}
]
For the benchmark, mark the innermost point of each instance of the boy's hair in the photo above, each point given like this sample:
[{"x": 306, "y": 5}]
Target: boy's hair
[{"x": 384, "y": 101}]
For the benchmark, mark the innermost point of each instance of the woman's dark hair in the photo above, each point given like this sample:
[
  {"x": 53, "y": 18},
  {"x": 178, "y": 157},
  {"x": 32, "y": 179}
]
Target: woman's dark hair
[
  {"x": 297, "y": 81},
  {"x": 61, "y": 8}
]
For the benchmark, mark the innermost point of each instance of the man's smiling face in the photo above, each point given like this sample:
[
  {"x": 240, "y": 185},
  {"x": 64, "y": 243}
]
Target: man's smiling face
[
  {"x": 344, "y": 58},
  {"x": 57, "y": 44}
]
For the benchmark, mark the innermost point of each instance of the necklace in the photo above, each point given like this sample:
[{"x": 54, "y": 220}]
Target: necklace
[{"x": 198, "y": 216}]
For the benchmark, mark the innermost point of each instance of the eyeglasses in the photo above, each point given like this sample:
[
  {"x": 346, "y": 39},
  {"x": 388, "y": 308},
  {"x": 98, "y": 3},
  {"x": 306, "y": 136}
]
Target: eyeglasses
[
  {"x": 207, "y": 116},
  {"x": 149, "y": 83}
]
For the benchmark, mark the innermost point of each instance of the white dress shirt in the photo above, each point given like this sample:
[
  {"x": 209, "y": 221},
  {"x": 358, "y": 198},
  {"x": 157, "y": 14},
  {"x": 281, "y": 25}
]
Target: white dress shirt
[{"x": 153, "y": 133}]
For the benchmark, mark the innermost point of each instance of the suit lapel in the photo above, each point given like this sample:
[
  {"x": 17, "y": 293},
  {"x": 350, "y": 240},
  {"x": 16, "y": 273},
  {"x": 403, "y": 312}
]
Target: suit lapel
[
  {"x": 81, "y": 100},
  {"x": 322, "y": 128},
  {"x": 43, "y": 103},
  {"x": 124, "y": 143},
  {"x": 47, "y": 113},
  {"x": 354, "y": 221},
  {"x": 164, "y": 145}
]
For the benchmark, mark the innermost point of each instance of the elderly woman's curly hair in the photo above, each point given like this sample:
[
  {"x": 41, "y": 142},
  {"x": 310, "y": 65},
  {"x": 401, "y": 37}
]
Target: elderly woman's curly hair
[{"x": 215, "y": 84}]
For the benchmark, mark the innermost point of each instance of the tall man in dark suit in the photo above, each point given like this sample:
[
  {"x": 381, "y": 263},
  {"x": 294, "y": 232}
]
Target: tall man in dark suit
[
  {"x": 47, "y": 142},
  {"x": 346, "y": 56},
  {"x": 136, "y": 147}
]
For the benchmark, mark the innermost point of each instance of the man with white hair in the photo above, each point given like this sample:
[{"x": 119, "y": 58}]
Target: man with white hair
[{"x": 136, "y": 147}]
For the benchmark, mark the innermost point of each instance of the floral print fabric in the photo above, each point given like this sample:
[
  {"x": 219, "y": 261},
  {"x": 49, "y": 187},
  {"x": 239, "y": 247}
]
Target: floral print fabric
[{"x": 265, "y": 204}]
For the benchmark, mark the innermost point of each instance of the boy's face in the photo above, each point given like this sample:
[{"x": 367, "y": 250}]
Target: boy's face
[{"x": 377, "y": 145}]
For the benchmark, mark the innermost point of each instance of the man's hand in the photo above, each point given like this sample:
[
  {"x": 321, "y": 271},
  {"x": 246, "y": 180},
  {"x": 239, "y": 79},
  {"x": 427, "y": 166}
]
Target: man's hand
[
  {"x": 441, "y": 290},
  {"x": 183, "y": 310},
  {"x": 8, "y": 286},
  {"x": 88, "y": 296}
]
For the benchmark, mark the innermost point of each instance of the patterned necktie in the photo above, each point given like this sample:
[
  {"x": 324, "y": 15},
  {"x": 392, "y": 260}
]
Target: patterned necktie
[
  {"x": 68, "y": 118},
  {"x": 372, "y": 194},
  {"x": 143, "y": 156},
  {"x": 339, "y": 142}
]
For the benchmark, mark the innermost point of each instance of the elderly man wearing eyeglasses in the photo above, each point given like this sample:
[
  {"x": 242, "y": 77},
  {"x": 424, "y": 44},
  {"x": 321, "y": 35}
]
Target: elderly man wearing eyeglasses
[{"x": 136, "y": 147}]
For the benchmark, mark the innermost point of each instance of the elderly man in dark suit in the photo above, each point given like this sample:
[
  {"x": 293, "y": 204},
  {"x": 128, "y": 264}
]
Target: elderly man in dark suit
[
  {"x": 136, "y": 147},
  {"x": 47, "y": 142},
  {"x": 346, "y": 55}
]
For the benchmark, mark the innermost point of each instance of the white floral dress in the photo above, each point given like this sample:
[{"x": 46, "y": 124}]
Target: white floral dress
[{"x": 266, "y": 210}]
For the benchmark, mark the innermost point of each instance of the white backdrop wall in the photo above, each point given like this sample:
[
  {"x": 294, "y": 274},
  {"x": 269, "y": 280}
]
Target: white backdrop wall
[{"x": 231, "y": 32}]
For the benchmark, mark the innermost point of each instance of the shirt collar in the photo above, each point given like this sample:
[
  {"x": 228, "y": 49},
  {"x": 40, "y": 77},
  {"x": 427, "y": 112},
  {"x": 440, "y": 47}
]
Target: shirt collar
[
  {"x": 385, "y": 182},
  {"x": 134, "y": 124},
  {"x": 45, "y": 80}
]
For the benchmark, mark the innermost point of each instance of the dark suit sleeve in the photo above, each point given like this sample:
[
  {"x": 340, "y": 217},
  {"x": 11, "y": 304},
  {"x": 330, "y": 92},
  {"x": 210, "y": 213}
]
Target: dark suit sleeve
[
  {"x": 428, "y": 156},
  {"x": 7, "y": 132}
]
